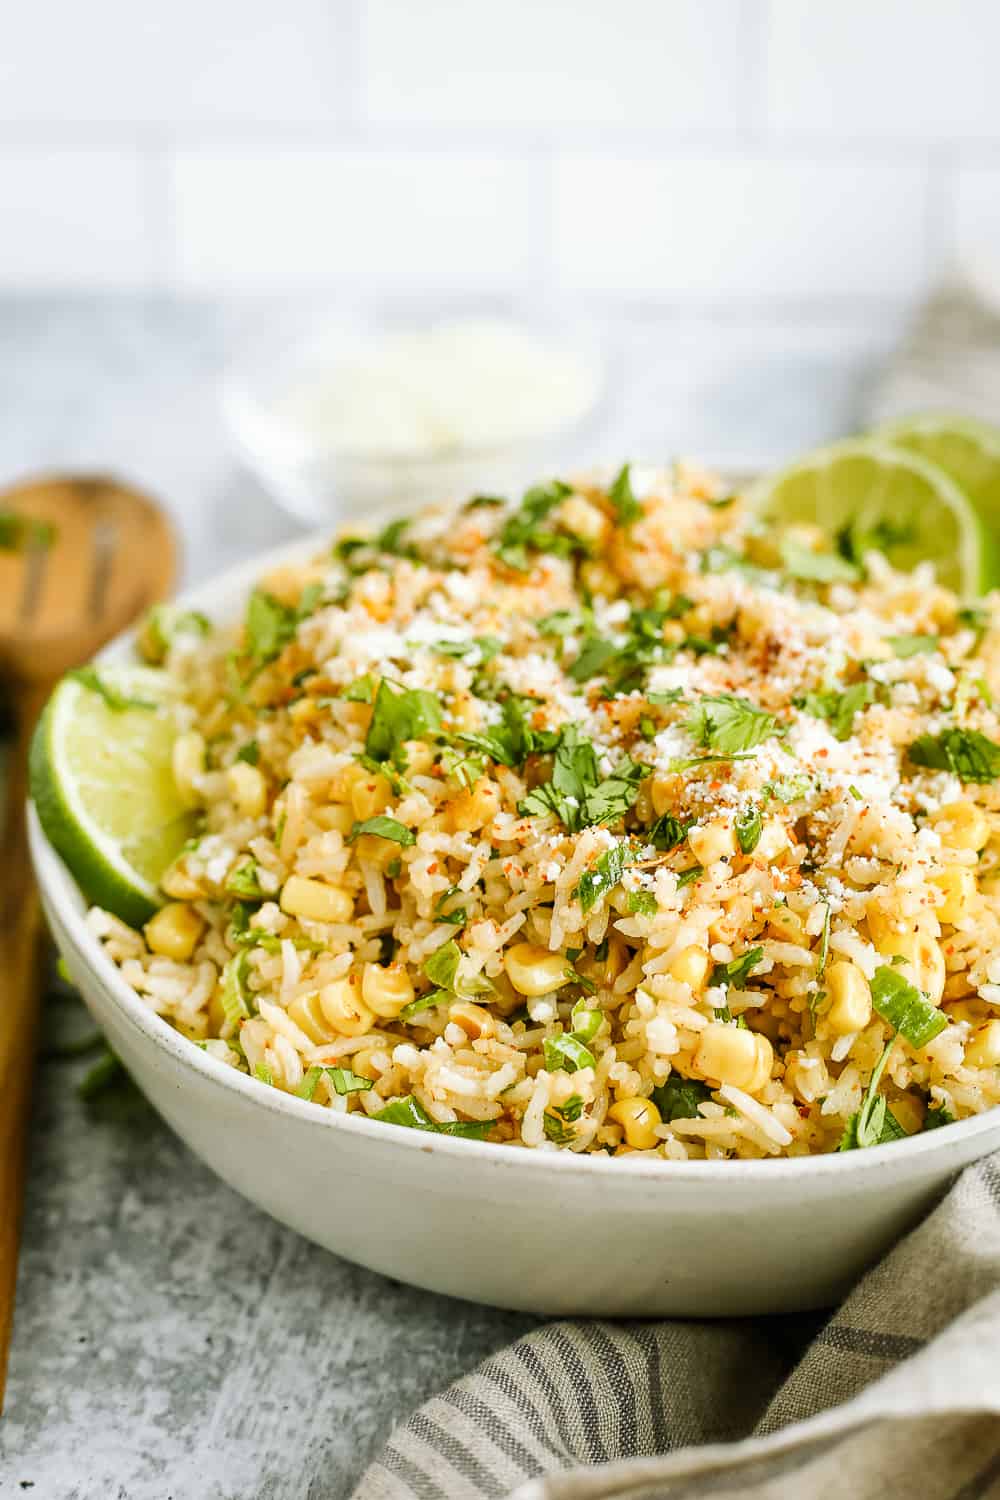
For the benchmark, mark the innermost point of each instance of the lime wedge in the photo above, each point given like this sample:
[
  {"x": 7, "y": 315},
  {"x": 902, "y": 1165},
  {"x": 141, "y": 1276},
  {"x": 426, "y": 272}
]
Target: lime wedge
[
  {"x": 103, "y": 785},
  {"x": 968, "y": 452},
  {"x": 869, "y": 493}
]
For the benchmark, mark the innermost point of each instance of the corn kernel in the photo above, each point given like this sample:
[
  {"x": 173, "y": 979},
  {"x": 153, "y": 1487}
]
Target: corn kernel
[
  {"x": 773, "y": 840},
  {"x": 533, "y": 970},
  {"x": 712, "y": 841},
  {"x": 763, "y": 1065},
  {"x": 474, "y": 1020},
  {"x": 664, "y": 791},
  {"x": 638, "y": 1119},
  {"x": 387, "y": 989},
  {"x": 850, "y": 1007},
  {"x": 337, "y": 816},
  {"x": 924, "y": 964},
  {"x": 363, "y": 1062},
  {"x": 174, "y": 931},
  {"x": 962, "y": 825},
  {"x": 248, "y": 789},
  {"x": 786, "y": 925},
  {"x": 984, "y": 1049},
  {"x": 307, "y": 1013},
  {"x": 691, "y": 967},
  {"x": 370, "y": 796},
  {"x": 584, "y": 520},
  {"x": 420, "y": 757},
  {"x": 188, "y": 762},
  {"x": 909, "y": 1112},
  {"x": 371, "y": 850},
  {"x": 315, "y": 901},
  {"x": 957, "y": 885},
  {"x": 344, "y": 1008},
  {"x": 728, "y": 1053},
  {"x": 474, "y": 806}
]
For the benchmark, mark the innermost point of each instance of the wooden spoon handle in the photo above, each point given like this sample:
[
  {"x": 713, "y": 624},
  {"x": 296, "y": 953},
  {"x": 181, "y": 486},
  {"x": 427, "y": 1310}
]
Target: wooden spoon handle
[{"x": 20, "y": 929}]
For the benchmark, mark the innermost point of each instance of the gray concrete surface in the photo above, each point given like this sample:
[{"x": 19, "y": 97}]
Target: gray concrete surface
[{"x": 171, "y": 1342}]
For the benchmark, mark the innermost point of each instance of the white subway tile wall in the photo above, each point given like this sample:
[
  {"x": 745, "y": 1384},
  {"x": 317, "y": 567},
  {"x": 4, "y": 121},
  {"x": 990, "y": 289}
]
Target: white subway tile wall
[{"x": 699, "y": 153}]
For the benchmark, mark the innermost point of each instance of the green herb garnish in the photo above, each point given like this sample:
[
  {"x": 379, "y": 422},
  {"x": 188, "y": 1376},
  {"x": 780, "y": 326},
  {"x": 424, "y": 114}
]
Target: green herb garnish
[
  {"x": 966, "y": 752},
  {"x": 679, "y": 1098},
  {"x": 736, "y": 970},
  {"x": 400, "y": 714},
  {"x": 622, "y": 497},
  {"x": 118, "y": 702},
  {"x": 839, "y": 708},
  {"x": 913, "y": 645},
  {"x": 577, "y": 793},
  {"x": 727, "y": 723},
  {"x": 748, "y": 825},
  {"x": 410, "y": 1112},
  {"x": 384, "y": 828},
  {"x": 524, "y": 530},
  {"x": 905, "y": 1009},
  {"x": 599, "y": 882}
]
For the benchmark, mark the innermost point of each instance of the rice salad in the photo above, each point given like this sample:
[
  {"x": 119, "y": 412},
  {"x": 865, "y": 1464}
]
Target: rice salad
[{"x": 604, "y": 821}]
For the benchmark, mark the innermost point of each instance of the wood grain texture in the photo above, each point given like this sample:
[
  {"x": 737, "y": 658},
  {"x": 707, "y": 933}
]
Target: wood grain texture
[{"x": 92, "y": 555}]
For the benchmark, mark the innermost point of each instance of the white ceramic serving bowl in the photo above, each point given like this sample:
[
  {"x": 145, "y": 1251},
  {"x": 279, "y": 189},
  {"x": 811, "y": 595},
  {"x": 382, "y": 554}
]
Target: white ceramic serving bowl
[{"x": 545, "y": 1231}]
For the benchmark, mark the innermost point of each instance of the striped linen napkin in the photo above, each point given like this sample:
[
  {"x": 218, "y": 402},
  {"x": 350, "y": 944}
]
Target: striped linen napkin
[{"x": 897, "y": 1395}]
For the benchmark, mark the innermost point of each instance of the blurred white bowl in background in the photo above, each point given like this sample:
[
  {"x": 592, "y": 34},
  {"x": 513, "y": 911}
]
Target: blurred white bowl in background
[{"x": 355, "y": 420}]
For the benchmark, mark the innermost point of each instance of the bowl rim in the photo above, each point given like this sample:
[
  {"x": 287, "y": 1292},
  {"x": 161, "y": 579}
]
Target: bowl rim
[{"x": 216, "y": 597}]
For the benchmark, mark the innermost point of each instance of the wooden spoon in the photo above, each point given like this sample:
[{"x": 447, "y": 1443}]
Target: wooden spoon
[{"x": 80, "y": 557}]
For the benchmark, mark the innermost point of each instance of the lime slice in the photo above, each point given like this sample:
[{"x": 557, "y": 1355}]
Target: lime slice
[
  {"x": 103, "y": 785},
  {"x": 869, "y": 493},
  {"x": 968, "y": 452}
]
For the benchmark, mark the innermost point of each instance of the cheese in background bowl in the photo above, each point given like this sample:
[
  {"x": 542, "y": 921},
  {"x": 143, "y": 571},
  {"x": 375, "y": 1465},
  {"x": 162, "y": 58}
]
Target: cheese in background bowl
[{"x": 351, "y": 422}]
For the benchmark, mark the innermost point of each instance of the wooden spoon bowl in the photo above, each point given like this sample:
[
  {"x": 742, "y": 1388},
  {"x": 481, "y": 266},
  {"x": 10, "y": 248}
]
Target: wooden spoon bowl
[{"x": 81, "y": 556}]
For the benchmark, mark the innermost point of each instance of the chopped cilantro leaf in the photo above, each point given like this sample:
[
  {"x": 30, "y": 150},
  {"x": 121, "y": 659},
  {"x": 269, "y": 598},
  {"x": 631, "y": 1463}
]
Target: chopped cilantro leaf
[
  {"x": 679, "y": 1098},
  {"x": 118, "y": 702},
  {"x": 384, "y": 828},
  {"x": 342, "y": 1080},
  {"x": 361, "y": 690},
  {"x": 693, "y": 872},
  {"x": 400, "y": 714},
  {"x": 622, "y": 497},
  {"x": 824, "y": 943},
  {"x": 874, "y": 1124},
  {"x": 728, "y": 723},
  {"x": 667, "y": 832},
  {"x": 597, "y": 653},
  {"x": 913, "y": 645},
  {"x": 409, "y": 1111},
  {"x": 567, "y": 1053},
  {"x": 966, "y": 752},
  {"x": 839, "y": 708},
  {"x": 576, "y": 793},
  {"x": 737, "y": 969},
  {"x": 442, "y": 966},
  {"x": 642, "y": 903},
  {"x": 269, "y": 626},
  {"x": 597, "y": 883},
  {"x": 390, "y": 539},
  {"x": 816, "y": 567},
  {"x": 249, "y": 753},
  {"x": 938, "y": 1115},
  {"x": 524, "y": 529},
  {"x": 244, "y": 883}
]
